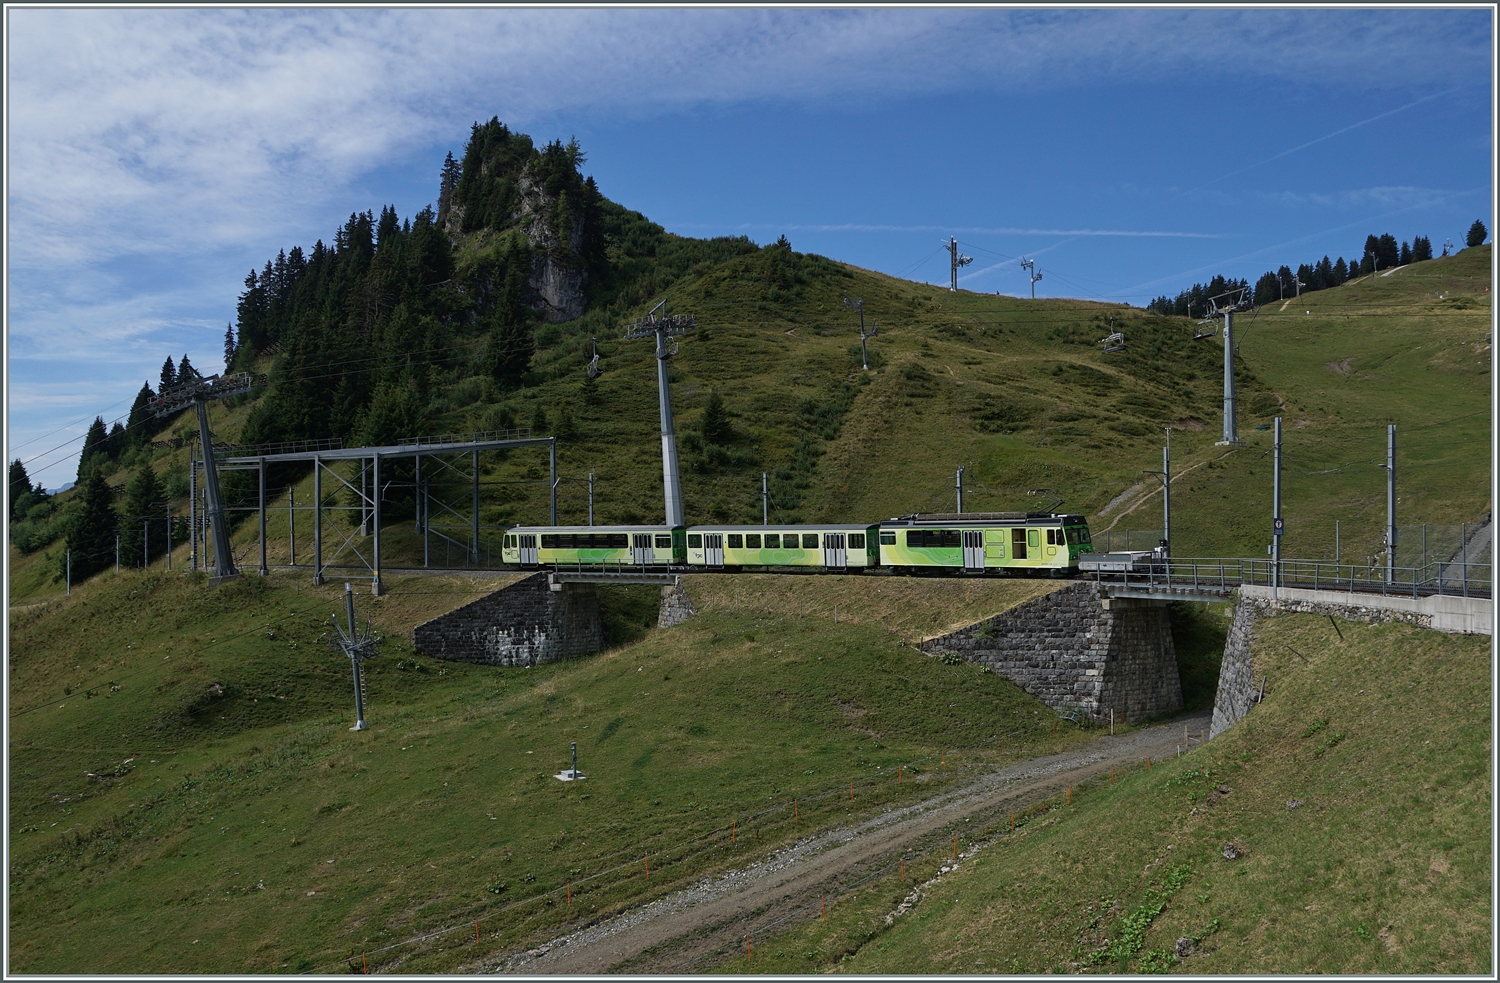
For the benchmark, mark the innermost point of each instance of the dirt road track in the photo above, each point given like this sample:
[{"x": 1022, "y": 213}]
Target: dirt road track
[{"x": 682, "y": 931}]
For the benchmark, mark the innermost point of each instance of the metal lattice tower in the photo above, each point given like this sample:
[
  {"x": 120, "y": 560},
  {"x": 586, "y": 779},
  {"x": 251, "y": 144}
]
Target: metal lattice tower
[
  {"x": 955, "y": 261},
  {"x": 197, "y": 393},
  {"x": 662, "y": 328},
  {"x": 1226, "y": 304}
]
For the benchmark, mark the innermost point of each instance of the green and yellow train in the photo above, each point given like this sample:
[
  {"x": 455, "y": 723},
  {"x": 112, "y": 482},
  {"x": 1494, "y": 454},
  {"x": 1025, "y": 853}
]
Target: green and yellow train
[{"x": 975, "y": 543}]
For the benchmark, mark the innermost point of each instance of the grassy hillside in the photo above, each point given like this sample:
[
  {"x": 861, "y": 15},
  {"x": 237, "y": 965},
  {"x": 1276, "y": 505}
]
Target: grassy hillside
[
  {"x": 1383, "y": 866},
  {"x": 1019, "y": 391},
  {"x": 183, "y": 782}
]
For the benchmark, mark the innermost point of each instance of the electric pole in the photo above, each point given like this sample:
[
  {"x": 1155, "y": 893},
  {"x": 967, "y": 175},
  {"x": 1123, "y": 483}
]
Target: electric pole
[
  {"x": 1029, "y": 265},
  {"x": 858, "y": 304},
  {"x": 662, "y": 328},
  {"x": 765, "y": 500},
  {"x": 955, "y": 261},
  {"x": 1278, "y": 524},
  {"x": 1390, "y": 502},
  {"x": 958, "y": 483},
  {"x": 196, "y": 393},
  {"x": 1165, "y": 477}
]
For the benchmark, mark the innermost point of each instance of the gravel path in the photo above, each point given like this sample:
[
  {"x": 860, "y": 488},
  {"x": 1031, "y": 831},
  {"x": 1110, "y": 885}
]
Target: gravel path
[{"x": 676, "y": 932}]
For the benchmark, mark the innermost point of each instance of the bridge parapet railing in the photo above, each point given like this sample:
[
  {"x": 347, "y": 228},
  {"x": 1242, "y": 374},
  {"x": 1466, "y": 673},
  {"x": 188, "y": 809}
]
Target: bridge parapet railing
[{"x": 1222, "y": 574}]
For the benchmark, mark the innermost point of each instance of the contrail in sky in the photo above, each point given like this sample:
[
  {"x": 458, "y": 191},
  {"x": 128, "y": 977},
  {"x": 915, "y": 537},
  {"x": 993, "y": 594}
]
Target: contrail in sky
[{"x": 1328, "y": 136}]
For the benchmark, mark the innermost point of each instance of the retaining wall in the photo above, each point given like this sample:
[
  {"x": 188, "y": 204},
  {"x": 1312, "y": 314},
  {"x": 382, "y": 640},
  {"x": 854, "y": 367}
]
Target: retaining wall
[
  {"x": 525, "y": 624},
  {"x": 1078, "y": 651},
  {"x": 1239, "y": 686}
]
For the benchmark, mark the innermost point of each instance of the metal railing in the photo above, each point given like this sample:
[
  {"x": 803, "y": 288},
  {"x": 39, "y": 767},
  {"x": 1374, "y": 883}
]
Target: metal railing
[
  {"x": 1221, "y": 575},
  {"x": 283, "y": 447},
  {"x": 520, "y": 433}
]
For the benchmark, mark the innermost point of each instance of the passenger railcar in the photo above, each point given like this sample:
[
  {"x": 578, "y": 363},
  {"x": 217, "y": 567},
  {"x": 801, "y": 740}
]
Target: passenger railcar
[
  {"x": 530, "y": 546},
  {"x": 985, "y": 542},
  {"x": 832, "y": 547}
]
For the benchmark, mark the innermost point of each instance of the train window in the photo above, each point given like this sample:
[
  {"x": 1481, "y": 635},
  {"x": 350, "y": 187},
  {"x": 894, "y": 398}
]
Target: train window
[
  {"x": 736, "y": 541},
  {"x": 773, "y": 540},
  {"x": 752, "y": 540},
  {"x": 1033, "y": 538},
  {"x": 809, "y": 540},
  {"x": 1051, "y": 537},
  {"x": 695, "y": 541},
  {"x": 549, "y": 542},
  {"x": 888, "y": 539},
  {"x": 617, "y": 540},
  {"x": 1072, "y": 534},
  {"x": 664, "y": 542},
  {"x": 856, "y": 540}
]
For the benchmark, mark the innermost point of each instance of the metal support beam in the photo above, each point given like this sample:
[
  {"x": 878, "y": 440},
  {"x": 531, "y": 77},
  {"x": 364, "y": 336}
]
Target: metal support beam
[
  {"x": 291, "y": 522},
  {"x": 1231, "y": 430},
  {"x": 552, "y": 459},
  {"x": 223, "y": 553},
  {"x": 317, "y": 521},
  {"x": 474, "y": 508},
  {"x": 375, "y": 510},
  {"x": 264, "y": 570},
  {"x": 192, "y": 511}
]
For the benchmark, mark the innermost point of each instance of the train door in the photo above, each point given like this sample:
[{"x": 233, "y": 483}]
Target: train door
[
  {"x": 528, "y": 550},
  {"x": 1018, "y": 544},
  {"x": 641, "y": 553},
  {"x": 835, "y": 553},
  {"x": 973, "y": 549},
  {"x": 713, "y": 549}
]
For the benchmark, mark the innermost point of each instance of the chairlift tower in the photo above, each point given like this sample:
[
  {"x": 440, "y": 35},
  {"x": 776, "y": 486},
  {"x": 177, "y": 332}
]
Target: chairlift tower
[
  {"x": 1226, "y": 304},
  {"x": 662, "y": 328},
  {"x": 1029, "y": 265},
  {"x": 197, "y": 393},
  {"x": 955, "y": 261}
]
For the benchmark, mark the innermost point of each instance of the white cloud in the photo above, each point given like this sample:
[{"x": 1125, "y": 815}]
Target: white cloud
[{"x": 187, "y": 137}]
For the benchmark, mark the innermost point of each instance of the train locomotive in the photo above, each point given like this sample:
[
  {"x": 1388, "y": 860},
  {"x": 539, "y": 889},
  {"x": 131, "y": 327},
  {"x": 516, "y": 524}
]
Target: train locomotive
[{"x": 973, "y": 543}]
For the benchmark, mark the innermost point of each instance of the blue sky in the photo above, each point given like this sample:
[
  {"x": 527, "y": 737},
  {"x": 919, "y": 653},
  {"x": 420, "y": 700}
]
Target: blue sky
[{"x": 155, "y": 156}]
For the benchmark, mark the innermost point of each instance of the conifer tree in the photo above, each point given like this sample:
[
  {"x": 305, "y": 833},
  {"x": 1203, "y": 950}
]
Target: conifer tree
[
  {"x": 1477, "y": 234},
  {"x": 1405, "y": 256},
  {"x": 140, "y": 425},
  {"x": 1421, "y": 249},
  {"x": 143, "y": 529},
  {"x": 168, "y": 375},
  {"x": 91, "y": 534},
  {"x": 1340, "y": 271},
  {"x": 185, "y": 371},
  {"x": 18, "y": 485},
  {"x": 95, "y": 443},
  {"x": 228, "y": 347}
]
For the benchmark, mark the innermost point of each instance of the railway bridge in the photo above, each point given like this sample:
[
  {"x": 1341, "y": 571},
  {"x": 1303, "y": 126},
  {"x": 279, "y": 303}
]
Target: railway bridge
[{"x": 1098, "y": 646}]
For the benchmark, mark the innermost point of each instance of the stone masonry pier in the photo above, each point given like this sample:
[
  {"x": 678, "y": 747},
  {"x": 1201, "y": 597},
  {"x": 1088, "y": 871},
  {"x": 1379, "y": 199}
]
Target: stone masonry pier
[
  {"x": 1078, "y": 650},
  {"x": 529, "y": 623}
]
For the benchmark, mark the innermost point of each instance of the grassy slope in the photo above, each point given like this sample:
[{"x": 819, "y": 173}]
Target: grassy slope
[
  {"x": 173, "y": 756},
  {"x": 1017, "y": 390},
  {"x": 1384, "y": 868}
]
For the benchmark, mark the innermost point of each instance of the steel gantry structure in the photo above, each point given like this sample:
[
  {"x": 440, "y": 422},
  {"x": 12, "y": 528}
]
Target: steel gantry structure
[{"x": 447, "y": 453}]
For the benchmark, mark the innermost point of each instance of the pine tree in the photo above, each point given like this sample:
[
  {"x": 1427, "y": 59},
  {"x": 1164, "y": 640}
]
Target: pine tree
[
  {"x": 91, "y": 534},
  {"x": 141, "y": 423},
  {"x": 94, "y": 444},
  {"x": 229, "y": 348},
  {"x": 185, "y": 371},
  {"x": 118, "y": 441},
  {"x": 1477, "y": 234},
  {"x": 1265, "y": 288},
  {"x": 168, "y": 375},
  {"x": 145, "y": 518},
  {"x": 1340, "y": 272},
  {"x": 1421, "y": 249},
  {"x": 1405, "y": 256},
  {"x": 19, "y": 484},
  {"x": 715, "y": 426}
]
